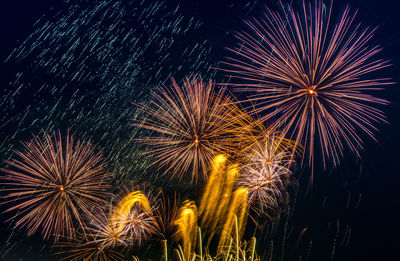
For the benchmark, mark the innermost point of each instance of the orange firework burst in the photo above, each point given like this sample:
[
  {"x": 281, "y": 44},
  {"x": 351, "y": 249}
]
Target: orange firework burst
[
  {"x": 97, "y": 241},
  {"x": 308, "y": 77},
  {"x": 190, "y": 121},
  {"x": 118, "y": 226},
  {"x": 53, "y": 182},
  {"x": 166, "y": 215},
  {"x": 97, "y": 246}
]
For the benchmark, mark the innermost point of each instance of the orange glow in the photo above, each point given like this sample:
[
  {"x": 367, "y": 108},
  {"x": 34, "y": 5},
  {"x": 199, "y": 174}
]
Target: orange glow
[
  {"x": 187, "y": 227},
  {"x": 213, "y": 191},
  {"x": 121, "y": 213},
  {"x": 219, "y": 159},
  {"x": 219, "y": 203},
  {"x": 237, "y": 213},
  {"x": 211, "y": 194}
]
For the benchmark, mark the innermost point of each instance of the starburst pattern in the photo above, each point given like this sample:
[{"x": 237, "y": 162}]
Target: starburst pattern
[
  {"x": 166, "y": 214},
  {"x": 97, "y": 244},
  {"x": 309, "y": 77},
  {"x": 124, "y": 222},
  {"x": 191, "y": 123},
  {"x": 133, "y": 216},
  {"x": 103, "y": 233},
  {"x": 266, "y": 162},
  {"x": 53, "y": 183}
]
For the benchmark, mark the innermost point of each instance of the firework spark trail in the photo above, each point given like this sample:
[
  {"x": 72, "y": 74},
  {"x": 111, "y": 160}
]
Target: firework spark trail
[
  {"x": 236, "y": 216},
  {"x": 217, "y": 196},
  {"x": 309, "y": 77},
  {"x": 187, "y": 227},
  {"x": 166, "y": 214},
  {"x": 97, "y": 245},
  {"x": 107, "y": 235},
  {"x": 119, "y": 225},
  {"x": 222, "y": 205},
  {"x": 53, "y": 182},
  {"x": 133, "y": 216},
  {"x": 212, "y": 192},
  {"x": 234, "y": 250}
]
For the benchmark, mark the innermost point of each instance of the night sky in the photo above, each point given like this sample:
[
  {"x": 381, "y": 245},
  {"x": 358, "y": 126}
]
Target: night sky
[{"x": 374, "y": 223}]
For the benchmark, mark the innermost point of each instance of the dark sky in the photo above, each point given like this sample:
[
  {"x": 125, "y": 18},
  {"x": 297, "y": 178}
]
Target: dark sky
[{"x": 376, "y": 223}]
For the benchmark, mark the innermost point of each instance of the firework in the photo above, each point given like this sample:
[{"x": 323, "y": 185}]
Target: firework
[
  {"x": 217, "y": 196},
  {"x": 53, "y": 182},
  {"x": 236, "y": 216},
  {"x": 235, "y": 250},
  {"x": 192, "y": 123},
  {"x": 105, "y": 234},
  {"x": 133, "y": 216},
  {"x": 266, "y": 163},
  {"x": 92, "y": 246},
  {"x": 254, "y": 133},
  {"x": 213, "y": 191},
  {"x": 98, "y": 237},
  {"x": 220, "y": 203},
  {"x": 120, "y": 225},
  {"x": 187, "y": 227},
  {"x": 166, "y": 215},
  {"x": 309, "y": 77}
]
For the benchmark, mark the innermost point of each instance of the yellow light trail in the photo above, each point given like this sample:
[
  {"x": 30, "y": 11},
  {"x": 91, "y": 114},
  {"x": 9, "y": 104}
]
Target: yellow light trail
[
  {"x": 213, "y": 190},
  {"x": 187, "y": 227},
  {"x": 237, "y": 210},
  {"x": 121, "y": 212}
]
